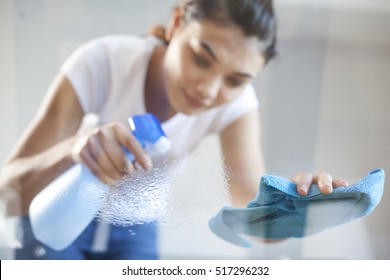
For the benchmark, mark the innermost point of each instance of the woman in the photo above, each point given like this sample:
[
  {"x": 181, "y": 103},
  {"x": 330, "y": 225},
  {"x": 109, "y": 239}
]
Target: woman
[{"x": 197, "y": 80}]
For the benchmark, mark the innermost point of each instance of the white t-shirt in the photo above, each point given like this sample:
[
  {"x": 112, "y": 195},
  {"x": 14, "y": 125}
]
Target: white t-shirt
[{"x": 108, "y": 75}]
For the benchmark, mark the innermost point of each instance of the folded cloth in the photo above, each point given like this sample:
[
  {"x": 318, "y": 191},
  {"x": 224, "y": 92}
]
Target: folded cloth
[{"x": 279, "y": 211}]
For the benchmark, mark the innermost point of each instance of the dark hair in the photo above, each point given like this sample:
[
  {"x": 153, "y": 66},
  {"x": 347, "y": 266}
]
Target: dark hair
[{"x": 254, "y": 17}]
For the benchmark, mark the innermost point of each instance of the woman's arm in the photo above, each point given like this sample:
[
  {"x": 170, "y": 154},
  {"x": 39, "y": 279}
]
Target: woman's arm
[
  {"x": 50, "y": 145},
  {"x": 43, "y": 151},
  {"x": 243, "y": 157}
]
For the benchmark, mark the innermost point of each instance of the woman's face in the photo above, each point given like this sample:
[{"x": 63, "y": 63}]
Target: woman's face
[{"x": 207, "y": 65}]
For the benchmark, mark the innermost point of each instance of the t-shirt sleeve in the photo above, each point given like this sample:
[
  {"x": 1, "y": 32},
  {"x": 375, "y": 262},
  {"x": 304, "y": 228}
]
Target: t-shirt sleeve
[
  {"x": 236, "y": 109},
  {"x": 87, "y": 69}
]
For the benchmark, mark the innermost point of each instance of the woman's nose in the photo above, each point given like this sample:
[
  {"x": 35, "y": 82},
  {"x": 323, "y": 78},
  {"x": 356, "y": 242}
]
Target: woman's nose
[{"x": 209, "y": 88}]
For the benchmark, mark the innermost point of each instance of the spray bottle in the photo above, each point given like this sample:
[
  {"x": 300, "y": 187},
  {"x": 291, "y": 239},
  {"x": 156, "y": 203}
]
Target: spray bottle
[{"x": 62, "y": 210}]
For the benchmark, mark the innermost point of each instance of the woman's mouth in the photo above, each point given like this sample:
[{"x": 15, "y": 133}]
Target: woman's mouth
[{"x": 193, "y": 102}]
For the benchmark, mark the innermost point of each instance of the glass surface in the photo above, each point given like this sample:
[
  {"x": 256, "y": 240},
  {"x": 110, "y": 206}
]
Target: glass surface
[{"x": 324, "y": 103}]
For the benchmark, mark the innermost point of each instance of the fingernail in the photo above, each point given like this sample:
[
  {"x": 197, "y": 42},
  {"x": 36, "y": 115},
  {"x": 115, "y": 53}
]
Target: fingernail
[
  {"x": 137, "y": 166},
  {"x": 304, "y": 189},
  {"x": 130, "y": 166},
  {"x": 344, "y": 183},
  {"x": 328, "y": 189},
  {"x": 148, "y": 164}
]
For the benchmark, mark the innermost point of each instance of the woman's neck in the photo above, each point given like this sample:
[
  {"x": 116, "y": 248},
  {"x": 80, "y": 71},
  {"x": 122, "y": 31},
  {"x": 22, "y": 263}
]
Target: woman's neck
[{"x": 156, "y": 97}]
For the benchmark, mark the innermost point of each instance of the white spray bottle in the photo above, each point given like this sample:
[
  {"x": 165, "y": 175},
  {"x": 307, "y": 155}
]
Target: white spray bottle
[{"x": 62, "y": 210}]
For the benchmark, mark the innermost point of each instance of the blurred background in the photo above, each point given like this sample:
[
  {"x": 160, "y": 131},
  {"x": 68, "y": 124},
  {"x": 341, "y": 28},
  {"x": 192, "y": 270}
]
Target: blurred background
[{"x": 324, "y": 103}]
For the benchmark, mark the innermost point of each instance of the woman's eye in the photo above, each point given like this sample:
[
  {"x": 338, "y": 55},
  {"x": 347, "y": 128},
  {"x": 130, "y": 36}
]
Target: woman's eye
[
  {"x": 234, "y": 82},
  {"x": 201, "y": 61}
]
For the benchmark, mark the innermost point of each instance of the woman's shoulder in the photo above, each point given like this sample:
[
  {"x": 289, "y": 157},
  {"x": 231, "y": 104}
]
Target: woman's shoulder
[
  {"x": 118, "y": 41},
  {"x": 122, "y": 45}
]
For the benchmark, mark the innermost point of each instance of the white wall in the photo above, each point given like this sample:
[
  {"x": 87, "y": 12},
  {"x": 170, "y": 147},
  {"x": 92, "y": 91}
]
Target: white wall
[{"x": 324, "y": 105}]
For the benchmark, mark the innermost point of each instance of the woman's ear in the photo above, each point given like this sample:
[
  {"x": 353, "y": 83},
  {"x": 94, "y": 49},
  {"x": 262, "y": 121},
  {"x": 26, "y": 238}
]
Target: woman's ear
[{"x": 174, "y": 22}]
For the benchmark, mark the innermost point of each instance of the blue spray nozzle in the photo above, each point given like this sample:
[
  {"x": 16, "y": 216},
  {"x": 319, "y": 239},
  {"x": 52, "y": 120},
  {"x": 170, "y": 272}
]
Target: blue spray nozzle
[{"x": 147, "y": 129}]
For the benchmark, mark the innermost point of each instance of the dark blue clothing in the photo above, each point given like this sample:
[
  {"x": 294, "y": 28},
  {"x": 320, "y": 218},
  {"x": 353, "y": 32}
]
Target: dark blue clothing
[{"x": 137, "y": 242}]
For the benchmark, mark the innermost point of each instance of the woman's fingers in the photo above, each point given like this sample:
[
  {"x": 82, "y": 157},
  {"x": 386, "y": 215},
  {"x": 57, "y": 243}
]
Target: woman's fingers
[
  {"x": 340, "y": 183},
  {"x": 304, "y": 181},
  {"x": 323, "y": 180},
  {"x": 115, "y": 154},
  {"x": 102, "y": 152},
  {"x": 90, "y": 162},
  {"x": 127, "y": 140}
]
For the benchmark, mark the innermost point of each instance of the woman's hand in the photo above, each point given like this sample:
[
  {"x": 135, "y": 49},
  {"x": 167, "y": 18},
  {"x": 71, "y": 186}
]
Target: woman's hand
[
  {"x": 323, "y": 180},
  {"x": 304, "y": 180},
  {"x": 101, "y": 151}
]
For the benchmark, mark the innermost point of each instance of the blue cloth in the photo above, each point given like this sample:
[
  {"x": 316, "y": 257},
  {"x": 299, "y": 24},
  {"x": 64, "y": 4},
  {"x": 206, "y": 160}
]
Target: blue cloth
[
  {"x": 137, "y": 242},
  {"x": 279, "y": 211}
]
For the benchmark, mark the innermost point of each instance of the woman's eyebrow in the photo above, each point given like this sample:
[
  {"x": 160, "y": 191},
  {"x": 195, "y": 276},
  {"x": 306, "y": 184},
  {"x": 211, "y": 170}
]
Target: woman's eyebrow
[
  {"x": 244, "y": 75},
  {"x": 209, "y": 50}
]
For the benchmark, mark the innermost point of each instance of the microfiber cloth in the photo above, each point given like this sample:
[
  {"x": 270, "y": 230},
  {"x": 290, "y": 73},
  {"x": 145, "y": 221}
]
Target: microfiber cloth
[{"x": 279, "y": 211}]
